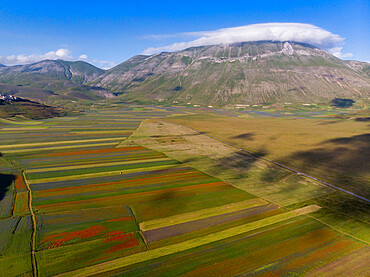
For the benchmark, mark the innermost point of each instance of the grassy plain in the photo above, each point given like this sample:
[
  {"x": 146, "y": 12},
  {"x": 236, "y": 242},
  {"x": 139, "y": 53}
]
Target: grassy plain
[
  {"x": 334, "y": 150},
  {"x": 125, "y": 192}
]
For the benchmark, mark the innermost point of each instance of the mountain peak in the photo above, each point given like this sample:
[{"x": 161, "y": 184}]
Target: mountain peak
[{"x": 288, "y": 49}]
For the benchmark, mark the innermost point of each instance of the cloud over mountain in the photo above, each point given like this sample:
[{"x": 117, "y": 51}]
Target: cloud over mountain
[
  {"x": 305, "y": 33},
  {"x": 60, "y": 54}
]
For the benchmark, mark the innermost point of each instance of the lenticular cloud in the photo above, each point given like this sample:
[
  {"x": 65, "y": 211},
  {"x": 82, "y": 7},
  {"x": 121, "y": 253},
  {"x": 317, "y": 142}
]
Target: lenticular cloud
[{"x": 299, "y": 32}]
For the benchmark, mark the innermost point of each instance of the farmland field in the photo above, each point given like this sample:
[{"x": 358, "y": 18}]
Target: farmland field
[{"x": 131, "y": 192}]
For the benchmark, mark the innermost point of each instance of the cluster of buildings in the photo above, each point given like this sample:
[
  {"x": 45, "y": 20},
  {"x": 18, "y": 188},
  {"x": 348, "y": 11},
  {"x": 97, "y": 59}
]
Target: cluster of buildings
[{"x": 8, "y": 97}]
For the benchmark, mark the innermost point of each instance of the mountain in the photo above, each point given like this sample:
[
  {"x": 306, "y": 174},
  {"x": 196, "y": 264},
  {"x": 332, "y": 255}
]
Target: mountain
[
  {"x": 2, "y": 65},
  {"x": 361, "y": 66},
  {"x": 247, "y": 72},
  {"x": 64, "y": 79}
]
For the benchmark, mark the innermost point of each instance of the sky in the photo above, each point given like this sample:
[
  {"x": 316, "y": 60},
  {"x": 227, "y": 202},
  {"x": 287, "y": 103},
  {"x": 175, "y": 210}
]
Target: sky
[{"x": 106, "y": 33}]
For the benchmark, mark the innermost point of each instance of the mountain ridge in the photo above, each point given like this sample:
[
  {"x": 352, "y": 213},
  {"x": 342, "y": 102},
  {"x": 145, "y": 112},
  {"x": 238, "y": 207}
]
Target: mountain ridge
[
  {"x": 244, "y": 72},
  {"x": 66, "y": 80}
]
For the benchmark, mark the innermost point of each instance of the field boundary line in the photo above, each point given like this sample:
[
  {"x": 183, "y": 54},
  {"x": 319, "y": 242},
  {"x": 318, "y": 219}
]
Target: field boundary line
[
  {"x": 201, "y": 214},
  {"x": 59, "y": 147},
  {"x": 140, "y": 232},
  {"x": 128, "y": 137},
  {"x": 287, "y": 177},
  {"x": 99, "y": 174},
  {"x": 338, "y": 230},
  {"x": 13, "y": 203},
  {"x": 189, "y": 244},
  {"x": 281, "y": 165},
  {"x": 85, "y": 166},
  {"x": 33, "y": 239},
  {"x": 55, "y": 143}
]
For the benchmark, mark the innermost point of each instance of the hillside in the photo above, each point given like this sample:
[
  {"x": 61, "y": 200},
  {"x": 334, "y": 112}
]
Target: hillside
[
  {"x": 249, "y": 73},
  {"x": 28, "y": 109},
  {"x": 63, "y": 79}
]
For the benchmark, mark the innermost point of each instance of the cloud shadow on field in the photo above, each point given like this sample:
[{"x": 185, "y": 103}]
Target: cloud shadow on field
[
  {"x": 239, "y": 162},
  {"x": 342, "y": 162},
  {"x": 345, "y": 161},
  {"x": 6, "y": 181},
  {"x": 363, "y": 119},
  {"x": 180, "y": 205},
  {"x": 246, "y": 136}
]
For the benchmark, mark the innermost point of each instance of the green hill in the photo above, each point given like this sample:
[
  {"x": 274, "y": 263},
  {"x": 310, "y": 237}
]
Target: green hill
[{"x": 63, "y": 80}]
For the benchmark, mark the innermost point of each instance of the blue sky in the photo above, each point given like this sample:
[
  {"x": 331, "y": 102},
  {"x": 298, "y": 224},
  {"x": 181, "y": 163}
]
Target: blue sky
[{"x": 109, "y": 32}]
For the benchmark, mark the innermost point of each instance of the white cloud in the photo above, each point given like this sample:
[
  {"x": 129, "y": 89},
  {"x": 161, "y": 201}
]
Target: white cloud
[
  {"x": 83, "y": 57},
  {"x": 337, "y": 51},
  {"x": 100, "y": 63},
  {"x": 305, "y": 33},
  {"x": 103, "y": 64},
  {"x": 62, "y": 54}
]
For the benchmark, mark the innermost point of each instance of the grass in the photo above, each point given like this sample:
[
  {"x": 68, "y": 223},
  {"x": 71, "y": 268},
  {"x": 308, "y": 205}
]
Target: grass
[
  {"x": 111, "y": 164},
  {"x": 46, "y": 149},
  {"x": 254, "y": 175},
  {"x": 331, "y": 150},
  {"x": 159, "y": 252},
  {"x": 99, "y": 174},
  {"x": 21, "y": 204},
  {"x": 181, "y": 218},
  {"x": 209, "y": 209},
  {"x": 15, "y": 236},
  {"x": 16, "y": 266},
  {"x": 64, "y": 142},
  {"x": 119, "y": 166},
  {"x": 73, "y": 256},
  {"x": 147, "y": 211}
]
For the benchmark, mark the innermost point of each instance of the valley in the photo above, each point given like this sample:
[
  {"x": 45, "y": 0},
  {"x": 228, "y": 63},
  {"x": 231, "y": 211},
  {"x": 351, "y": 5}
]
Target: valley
[{"x": 155, "y": 190}]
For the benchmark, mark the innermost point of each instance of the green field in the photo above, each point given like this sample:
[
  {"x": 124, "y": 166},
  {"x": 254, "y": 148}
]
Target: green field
[{"x": 130, "y": 191}]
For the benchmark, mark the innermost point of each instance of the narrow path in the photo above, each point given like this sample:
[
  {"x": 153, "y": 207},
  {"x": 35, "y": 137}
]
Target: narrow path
[
  {"x": 336, "y": 229},
  {"x": 141, "y": 234},
  {"x": 33, "y": 239},
  {"x": 281, "y": 165},
  {"x": 286, "y": 177}
]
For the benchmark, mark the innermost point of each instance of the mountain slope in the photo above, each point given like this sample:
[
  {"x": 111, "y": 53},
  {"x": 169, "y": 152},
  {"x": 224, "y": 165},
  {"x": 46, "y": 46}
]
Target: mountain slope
[
  {"x": 249, "y": 72},
  {"x": 29, "y": 109},
  {"x": 63, "y": 78},
  {"x": 78, "y": 72}
]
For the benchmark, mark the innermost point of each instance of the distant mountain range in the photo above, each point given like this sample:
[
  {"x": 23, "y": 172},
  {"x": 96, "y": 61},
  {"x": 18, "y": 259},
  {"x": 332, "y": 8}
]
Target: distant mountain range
[
  {"x": 52, "y": 80},
  {"x": 239, "y": 73}
]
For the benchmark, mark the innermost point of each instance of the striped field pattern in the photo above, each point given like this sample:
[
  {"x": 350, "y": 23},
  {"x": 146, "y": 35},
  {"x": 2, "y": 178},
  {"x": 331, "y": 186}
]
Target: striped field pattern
[{"x": 100, "y": 207}]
